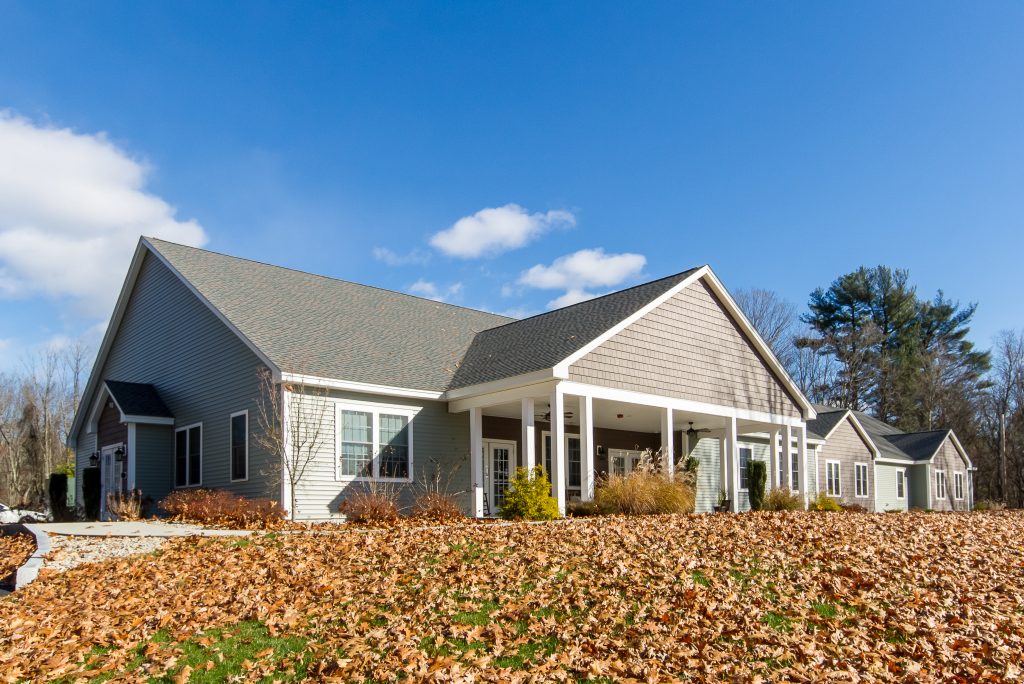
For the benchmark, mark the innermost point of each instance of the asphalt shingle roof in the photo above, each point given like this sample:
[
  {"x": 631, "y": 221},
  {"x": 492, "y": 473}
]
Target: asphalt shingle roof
[
  {"x": 138, "y": 399},
  {"x": 826, "y": 420},
  {"x": 544, "y": 340},
  {"x": 919, "y": 446},
  {"x": 331, "y": 328}
]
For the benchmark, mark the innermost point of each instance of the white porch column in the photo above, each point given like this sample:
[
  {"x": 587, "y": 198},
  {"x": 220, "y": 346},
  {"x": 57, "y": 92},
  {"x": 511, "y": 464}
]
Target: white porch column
[
  {"x": 587, "y": 448},
  {"x": 558, "y": 447},
  {"x": 668, "y": 447},
  {"x": 787, "y": 455},
  {"x": 526, "y": 408},
  {"x": 732, "y": 448},
  {"x": 773, "y": 476},
  {"x": 476, "y": 459},
  {"x": 801, "y": 454}
]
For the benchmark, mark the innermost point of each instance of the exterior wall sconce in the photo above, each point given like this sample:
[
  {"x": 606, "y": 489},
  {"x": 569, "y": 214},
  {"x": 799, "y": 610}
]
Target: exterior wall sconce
[
  {"x": 94, "y": 459},
  {"x": 119, "y": 454}
]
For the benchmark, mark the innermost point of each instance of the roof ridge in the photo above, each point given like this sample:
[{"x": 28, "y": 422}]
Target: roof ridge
[
  {"x": 331, "y": 278},
  {"x": 918, "y": 432},
  {"x": 594, "y": 299}
]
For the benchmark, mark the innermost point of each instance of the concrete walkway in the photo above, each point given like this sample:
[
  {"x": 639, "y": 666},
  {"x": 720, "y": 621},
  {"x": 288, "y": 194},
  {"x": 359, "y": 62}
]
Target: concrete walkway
[{"x": 139, "y": 528}]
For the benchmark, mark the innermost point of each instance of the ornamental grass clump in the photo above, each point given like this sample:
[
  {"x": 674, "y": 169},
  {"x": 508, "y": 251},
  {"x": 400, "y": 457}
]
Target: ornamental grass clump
[
  {"x": 375, "y": 505},
  {"x": 528, "y": 497},
  {"x": 223, "y": 509},
  {"x": 782, "y": 499},
  {"x": 648, "y": 490}
]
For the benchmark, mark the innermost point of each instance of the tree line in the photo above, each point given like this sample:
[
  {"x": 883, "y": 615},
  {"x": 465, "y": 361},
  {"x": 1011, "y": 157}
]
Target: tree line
[{"x": 870, "y": 342}]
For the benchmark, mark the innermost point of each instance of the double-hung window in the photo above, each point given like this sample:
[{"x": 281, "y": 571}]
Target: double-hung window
[
  {"x": 940, "y": 484},
  {"x": 188, "y": 456},
  {"x": 860, "y": 479},
  {"x": 901, "y": 484},
  {"x": 832, "y": 483},
  {"x": 745, "y": 454},
  {"x": 239, "y": 446},
  {"x": 374, "y": 442},
  {"x": 795, "y": 471},
  {"x": 958, "y": 486}
]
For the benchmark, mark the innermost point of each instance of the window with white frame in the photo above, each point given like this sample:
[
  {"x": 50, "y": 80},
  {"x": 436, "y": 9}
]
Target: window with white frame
[
  {"x": 374, "y": 442},
  {"x": 782, "y": 469},
  {"x": 901, "y": 484},
  {"x": 958, "y": 486},
  {"x": 239, "y": 446},
  {"x": 860, "y": 479},
  {"x": 832, "y": 483},
  {"x": 745, "y": 455},
  {"x": 795, "y": 471},
  {"x": 188, "y": 456},
  {"x": 940, "y": 484}
]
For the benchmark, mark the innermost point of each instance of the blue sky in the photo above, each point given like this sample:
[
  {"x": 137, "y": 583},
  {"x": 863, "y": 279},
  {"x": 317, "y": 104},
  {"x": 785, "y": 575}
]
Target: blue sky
[{"x": 783, "y": 143}]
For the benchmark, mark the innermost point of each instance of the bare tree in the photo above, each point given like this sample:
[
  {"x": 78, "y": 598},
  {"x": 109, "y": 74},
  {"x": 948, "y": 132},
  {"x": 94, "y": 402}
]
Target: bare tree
[
  {"x": 293, "y": 425},
  {"x": 814, "y": 371},
  {"x": 773, "y": 317}
]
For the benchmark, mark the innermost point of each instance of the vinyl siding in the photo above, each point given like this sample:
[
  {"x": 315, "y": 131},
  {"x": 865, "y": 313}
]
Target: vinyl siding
[
  {"x": 201, "y": 370},
  {"x": 688, "y": 348},
  {"x": 949, "y": 459},
  {"x": 440, "y": 443},
  {"x": 709, "y": 474},
  {"x": 846, "y": 446},
  {"x": 761, "y": 452},
  {"x": 151, "y": 448},
  {"x": 885, "y": 489}
]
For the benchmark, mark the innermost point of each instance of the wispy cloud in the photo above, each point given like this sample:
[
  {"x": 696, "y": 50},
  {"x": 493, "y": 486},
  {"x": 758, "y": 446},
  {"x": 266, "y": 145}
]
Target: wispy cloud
[
  {"x": 495, "y": 230},
  {"x": 392, "y": 258},
  {"x": 578, "y": 273},
  {"x": 72, "y": 207},
  {"x": 430, "y": 290}
]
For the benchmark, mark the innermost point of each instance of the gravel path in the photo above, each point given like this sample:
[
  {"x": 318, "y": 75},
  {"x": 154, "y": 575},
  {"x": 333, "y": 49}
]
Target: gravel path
[{"x": 71, "y": 551}]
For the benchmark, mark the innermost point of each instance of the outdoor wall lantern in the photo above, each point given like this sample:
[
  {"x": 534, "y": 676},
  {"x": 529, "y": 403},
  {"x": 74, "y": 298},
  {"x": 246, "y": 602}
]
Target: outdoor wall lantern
[
  {"x": 94, "y": 459},
  {"x": 119, "y": 454}
]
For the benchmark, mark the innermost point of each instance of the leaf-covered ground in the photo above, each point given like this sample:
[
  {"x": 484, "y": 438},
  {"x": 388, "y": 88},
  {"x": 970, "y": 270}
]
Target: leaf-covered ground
[
  {"x": 15, "y": 549},
  {"x": 772, "y": 596}
]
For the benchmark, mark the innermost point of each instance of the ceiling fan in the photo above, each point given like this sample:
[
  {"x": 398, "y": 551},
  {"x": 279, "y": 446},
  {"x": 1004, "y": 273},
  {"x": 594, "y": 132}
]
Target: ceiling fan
[
  {"x": 692, "y": 432},
  {"x": 546, "y": 417}
]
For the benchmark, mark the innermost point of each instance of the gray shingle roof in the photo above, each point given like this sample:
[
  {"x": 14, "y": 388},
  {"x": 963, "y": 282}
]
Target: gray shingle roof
[
  {"x": 331, "y": 328},
  {"x": 137, "y": 399},
  {"x": 919, "y": 446},
  {"x": 827, "y": 419},
  {"x": 544, "y": 340}
]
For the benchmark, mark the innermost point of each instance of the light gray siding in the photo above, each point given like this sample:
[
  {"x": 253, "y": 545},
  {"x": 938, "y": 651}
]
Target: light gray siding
[
  {"x": 440, "y": 443},
  {"x": 847, "y": 447},
  {"x": 201, "y": 370},
  {"x": 154, "y": 448},
  {"x": 885, "y": 488},
  {"x": 918, "y": 476},
  {"x": 708, "y": 452},
  {"x": 949, "y": 460}
]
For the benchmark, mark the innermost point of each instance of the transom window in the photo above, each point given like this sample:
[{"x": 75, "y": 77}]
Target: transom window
[
  {"x": 860, "y": 479},
  {"x": 188, "y": 456},
  {"x": 901, "y": 484},
  {"x": 958, "y": 486},
  {"x": 374, "y": 442},
  {"x": 745, "y": 455},
  {"x": 240, "y": 445},
  {"x": 940, "y": 484},
  {"x": 832, "y": 482}
]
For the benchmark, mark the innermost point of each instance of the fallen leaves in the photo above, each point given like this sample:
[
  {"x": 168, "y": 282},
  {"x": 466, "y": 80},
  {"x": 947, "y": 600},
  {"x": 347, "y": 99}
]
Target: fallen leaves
[
  {"x": 15, "y": 549},
  {"x": 767, "y": 596}
]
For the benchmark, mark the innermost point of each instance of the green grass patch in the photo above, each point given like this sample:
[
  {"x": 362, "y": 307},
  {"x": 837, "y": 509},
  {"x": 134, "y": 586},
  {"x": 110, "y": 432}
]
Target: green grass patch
[
  {"x": 479, "y": 617},
  {"x": 700, "y": 578},
  {"x": 777, "y": 621},
  {"x": 825, "y": 610}
]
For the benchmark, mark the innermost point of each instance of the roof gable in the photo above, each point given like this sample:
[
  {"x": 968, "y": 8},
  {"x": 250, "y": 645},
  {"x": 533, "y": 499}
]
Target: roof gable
[{"x": 920, "y": 446}]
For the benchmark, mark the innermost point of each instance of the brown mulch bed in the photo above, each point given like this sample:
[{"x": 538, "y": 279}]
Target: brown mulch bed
[{"x": 15, "y": 549}]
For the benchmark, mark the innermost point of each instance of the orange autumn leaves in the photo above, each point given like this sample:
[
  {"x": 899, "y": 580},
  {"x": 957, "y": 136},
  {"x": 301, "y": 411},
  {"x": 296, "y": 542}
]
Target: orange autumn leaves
[
  {"x": 15, "y": 549},
  {"x": 766, "y": 596}
]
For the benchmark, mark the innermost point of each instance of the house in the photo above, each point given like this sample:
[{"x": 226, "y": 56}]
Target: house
[{"x": 390, "y": 389}]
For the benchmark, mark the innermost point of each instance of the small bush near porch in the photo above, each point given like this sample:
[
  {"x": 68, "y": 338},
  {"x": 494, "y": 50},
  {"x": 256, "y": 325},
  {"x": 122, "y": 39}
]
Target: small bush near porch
[{"x": 648, "y": 490}]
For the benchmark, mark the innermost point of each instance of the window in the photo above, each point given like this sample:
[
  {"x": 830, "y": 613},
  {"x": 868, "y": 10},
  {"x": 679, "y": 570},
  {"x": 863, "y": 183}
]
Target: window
[
  {"x": 574, "y": 461},
  {"x": 901, "y": 484},
  {"x": 860, "y": 479},
  {"x": 188, "y": 456},
  {"x": 795, "y": 471},
  {"x": 745, "y": 454},
  {"x": 547, "y": 457},
  {"x": 832, "y": 483},
  {"x": 782, "y": 470},
  {"x": 239, "y": 446},
  {"x": 374, "y": 442},
  {"x": 574, "y": 457},
  {"x": 958, "y": 486},
  {"x": 940, "y": 484}
]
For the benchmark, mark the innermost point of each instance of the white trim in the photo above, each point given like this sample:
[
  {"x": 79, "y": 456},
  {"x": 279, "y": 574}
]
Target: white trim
[
  {"x": 859, "y": 429},
  {"x": 739, "y": 465},
  {"x": 476, "y": 461},
  {"x": 147, "y": 420},
  {"x": 950, "y": 435},
  {"x": 929, "y": 485},
  {"x": 901, "y": 475},
  {"x": 491, "y": 386},
  {"x": 867, "y": 483},
  {"x": 561, "y": 369},
  {"x": 838, "y": 479},
  {"x": 188, "y": 456},
  {"x": 940, "y": 476},
  {"x": 130, "y": 456},
  {"x": 286, "y": 431},
  {"x": 362, "y": 387},
  {"x": 231, "y": 454},
  {"x": 896, "y": 461},
  {"x": 504, "y": 396},
  {"x": 489, "y": 469},
  {"x": 375, "y": 410},
  {"x": 958, "y": 476}
]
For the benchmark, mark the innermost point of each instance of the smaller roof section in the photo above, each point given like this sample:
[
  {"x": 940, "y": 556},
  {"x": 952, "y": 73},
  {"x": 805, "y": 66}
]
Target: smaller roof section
[
  {"x": 136, "y": 399},
  {"x": 920, "y": 446},
  {"x": 827, "y": 419}
]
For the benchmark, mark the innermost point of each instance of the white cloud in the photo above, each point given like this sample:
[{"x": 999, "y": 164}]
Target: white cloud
[
  {"x": 425, "y": 288},
  {"x": 392, "y": 258},
  {"x": 495, "y": 230},
  {"x": 580, "y": 271},
  {"x": 72, "y": 207}
]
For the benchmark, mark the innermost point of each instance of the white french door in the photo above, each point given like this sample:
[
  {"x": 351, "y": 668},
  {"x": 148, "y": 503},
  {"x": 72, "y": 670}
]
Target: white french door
[
  {"x": 110, "y": 475},
  {"x": 623, "y": 461},
  {"x": 500, "y": 465}
]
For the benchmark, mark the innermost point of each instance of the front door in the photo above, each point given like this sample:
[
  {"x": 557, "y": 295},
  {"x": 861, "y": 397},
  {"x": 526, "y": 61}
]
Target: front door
[
  {"x": 110, "y": 476},
  {"x": 501, "y": 464}
]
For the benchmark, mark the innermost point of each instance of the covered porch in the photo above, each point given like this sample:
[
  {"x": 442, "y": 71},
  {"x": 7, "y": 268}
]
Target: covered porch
[{"x": 580, "y": 432}]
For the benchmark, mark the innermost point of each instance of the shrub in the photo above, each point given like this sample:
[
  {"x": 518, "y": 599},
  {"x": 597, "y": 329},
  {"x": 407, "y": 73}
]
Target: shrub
[
  {"x": 824, "y": 502},
  {"x": 59, "y": 496},
  {"x": 437, "y": 507},
  {"x": 375, "y": 505},
  {"x": 581, "y": 509},
  {"x": 782, "y": 499},
  {"x": 126, "y": 506},
  {"x": 644, "y": 492},
  {"x": 989, "y": 505},
  {"x": 529, "y": 497},
  {"x": 91, "y": 492},
  {"x": 221, "y": 508},
  {"x": 757, "y": 473}
]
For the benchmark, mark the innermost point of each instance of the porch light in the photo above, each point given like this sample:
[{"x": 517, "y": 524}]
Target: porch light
[
  {"x": 119, "y": 454},
  {"x": 94, "y": 459}
]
